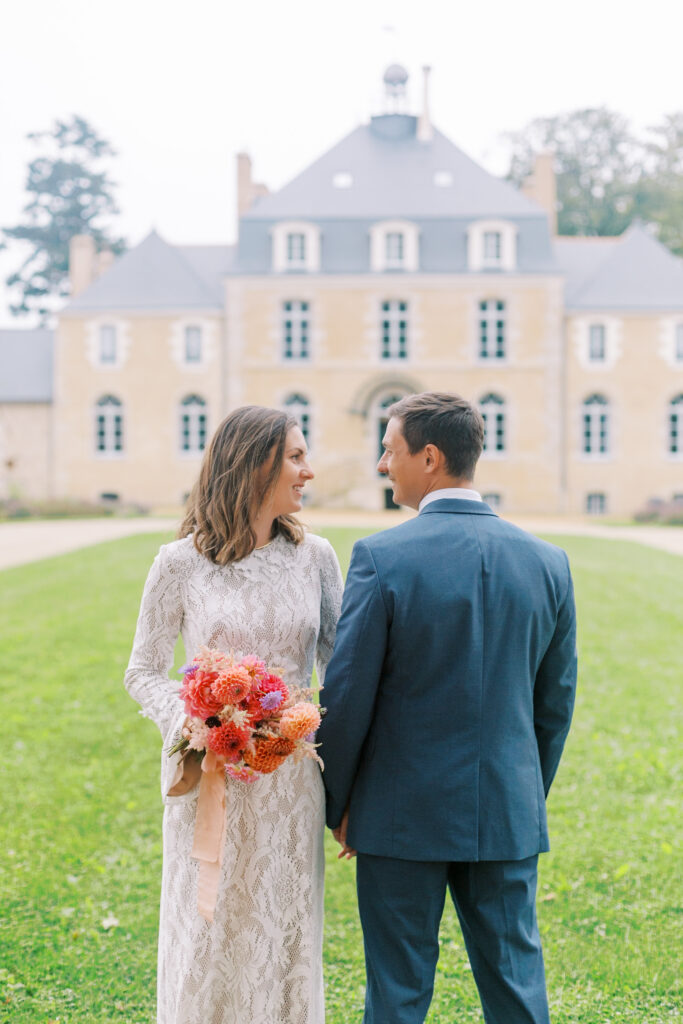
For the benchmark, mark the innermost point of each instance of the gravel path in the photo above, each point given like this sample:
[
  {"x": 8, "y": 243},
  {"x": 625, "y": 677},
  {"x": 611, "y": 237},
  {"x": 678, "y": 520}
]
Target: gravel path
[{"x": 33, "y": 540}]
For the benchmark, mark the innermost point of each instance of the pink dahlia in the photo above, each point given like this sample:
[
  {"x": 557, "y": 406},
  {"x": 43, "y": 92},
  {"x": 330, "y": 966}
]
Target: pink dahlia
[
  {"x": 232, "y": 685},
  {"x": 298, "y": 721},
  {"x": 228, "y": 740},
  {"x": 254, "y": 666},
  {"x": 198, "y": 695}
]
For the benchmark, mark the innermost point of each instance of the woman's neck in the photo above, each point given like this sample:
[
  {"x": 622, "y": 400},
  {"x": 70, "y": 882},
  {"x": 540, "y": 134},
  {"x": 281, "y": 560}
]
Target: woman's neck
[{"x": 263, "y": 528}]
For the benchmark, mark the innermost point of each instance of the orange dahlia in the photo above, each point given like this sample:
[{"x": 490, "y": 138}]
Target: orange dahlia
[
  {"x": 228, "y": 740},
  {"x": 268, "y": 754},
  {"x": 299, "y": 720},
  {"x": 232, "y": 685}
]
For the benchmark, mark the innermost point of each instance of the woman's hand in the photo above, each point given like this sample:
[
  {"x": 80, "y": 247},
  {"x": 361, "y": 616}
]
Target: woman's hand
[{"x": 339, "y": 834}]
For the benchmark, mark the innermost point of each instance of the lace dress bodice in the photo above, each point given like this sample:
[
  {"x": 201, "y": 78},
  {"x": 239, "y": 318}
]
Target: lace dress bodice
[{"x": 260, "y": 959}]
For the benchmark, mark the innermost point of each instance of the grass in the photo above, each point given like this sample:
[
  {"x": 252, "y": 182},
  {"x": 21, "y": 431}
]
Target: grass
[{"x": 80, "y": 827}]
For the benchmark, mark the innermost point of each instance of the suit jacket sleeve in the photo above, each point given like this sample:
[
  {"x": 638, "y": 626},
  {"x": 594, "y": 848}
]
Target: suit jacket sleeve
[
  {"x": 352, "y": 679},
  {"x": 555, "y": 687}
]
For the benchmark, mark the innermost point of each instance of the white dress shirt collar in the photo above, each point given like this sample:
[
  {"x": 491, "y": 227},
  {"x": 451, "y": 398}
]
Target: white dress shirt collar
[{"x": 464, "y": 493}]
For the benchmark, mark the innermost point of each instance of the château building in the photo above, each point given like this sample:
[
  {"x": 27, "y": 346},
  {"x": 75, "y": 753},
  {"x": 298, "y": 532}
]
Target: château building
[{"x": 393, "y": 264}]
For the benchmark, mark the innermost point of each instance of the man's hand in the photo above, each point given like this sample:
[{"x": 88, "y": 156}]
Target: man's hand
[{"x": 339, "y": 834}]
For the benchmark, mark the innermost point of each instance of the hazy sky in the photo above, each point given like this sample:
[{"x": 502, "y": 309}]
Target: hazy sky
[{"x": 180, "y": 87}]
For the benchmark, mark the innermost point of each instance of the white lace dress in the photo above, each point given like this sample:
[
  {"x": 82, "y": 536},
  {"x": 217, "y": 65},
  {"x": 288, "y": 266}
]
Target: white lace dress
[{"x": 260, "y": 961}]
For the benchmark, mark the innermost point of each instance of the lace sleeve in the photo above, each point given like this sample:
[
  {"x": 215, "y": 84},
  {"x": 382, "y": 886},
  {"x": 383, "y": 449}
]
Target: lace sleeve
[
  {"x": 331, "y": 588},
  {"x": 159, "y": 623}
]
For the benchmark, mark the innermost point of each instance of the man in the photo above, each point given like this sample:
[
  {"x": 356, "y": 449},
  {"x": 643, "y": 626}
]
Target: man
[{"x": 449, "y": 698}]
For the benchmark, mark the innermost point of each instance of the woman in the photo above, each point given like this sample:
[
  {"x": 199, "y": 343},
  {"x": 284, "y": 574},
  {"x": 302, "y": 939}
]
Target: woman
[{"x": 244, "y": 577}]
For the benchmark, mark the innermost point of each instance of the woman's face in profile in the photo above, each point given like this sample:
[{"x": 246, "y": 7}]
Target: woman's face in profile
[{"x": 287, "y": 494}]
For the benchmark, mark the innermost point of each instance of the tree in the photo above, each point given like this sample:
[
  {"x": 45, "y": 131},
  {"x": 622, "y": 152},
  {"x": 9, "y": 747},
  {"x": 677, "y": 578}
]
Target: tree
[
  {"x": 597, "y": 161},
  {"x": 659, "y": 197},
  {"x": 606, "y": 176},
  {"x": 71, "y": 194}
]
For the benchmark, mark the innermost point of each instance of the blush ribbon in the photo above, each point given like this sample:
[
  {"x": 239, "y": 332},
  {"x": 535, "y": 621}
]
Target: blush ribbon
[{"x": 209, "y": 832}]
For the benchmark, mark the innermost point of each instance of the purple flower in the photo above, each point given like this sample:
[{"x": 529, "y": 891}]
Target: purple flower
[
  {"x": 271, "y": 701},
  {"x": 187, "y": 670}
]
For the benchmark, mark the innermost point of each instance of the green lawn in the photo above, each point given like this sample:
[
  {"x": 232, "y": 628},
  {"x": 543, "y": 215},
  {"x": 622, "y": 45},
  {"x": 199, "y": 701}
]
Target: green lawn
[{"x": 80, "y": 826}]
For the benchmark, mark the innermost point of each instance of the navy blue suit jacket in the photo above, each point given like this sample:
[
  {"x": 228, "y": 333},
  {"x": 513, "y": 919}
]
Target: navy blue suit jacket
[{"x": 451, "y": 688}]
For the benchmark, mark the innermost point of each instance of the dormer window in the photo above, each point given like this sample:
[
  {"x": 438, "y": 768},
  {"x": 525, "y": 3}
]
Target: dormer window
[
  {"x": 296, "y": 247},
  {"x": 443, "y": 179},
  {"x": 394, "y": 246},
  {"x": 394, "y": 249},
  {"x": 492, "y": 245},
  {"x": 493, "y": 248}
]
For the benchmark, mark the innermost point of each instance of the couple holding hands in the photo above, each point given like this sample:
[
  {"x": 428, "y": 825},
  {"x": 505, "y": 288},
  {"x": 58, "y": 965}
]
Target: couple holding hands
[{"x": 449, "y": 671}]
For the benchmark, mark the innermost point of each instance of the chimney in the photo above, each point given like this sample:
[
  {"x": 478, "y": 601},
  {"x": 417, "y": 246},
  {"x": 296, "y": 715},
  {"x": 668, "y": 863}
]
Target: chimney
[
  {"x": 542, "y": 187},
  {"x": 105, "y": 258},
  {"x": 81, "y": 263},
  {"x": 247, "y": 189},
  {"x": 424, "y": 125}
]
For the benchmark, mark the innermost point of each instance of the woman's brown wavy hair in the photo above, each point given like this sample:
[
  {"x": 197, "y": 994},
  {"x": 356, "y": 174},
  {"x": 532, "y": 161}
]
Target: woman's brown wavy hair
[{"x": 230, "y": 486}]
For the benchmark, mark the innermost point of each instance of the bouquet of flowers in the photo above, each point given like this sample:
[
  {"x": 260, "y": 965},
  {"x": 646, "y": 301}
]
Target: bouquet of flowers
[{"x": 245, "y": 714}]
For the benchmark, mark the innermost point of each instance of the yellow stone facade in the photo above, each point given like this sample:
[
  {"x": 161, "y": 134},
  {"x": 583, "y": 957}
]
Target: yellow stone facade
[{"x": 151, "y": 381}]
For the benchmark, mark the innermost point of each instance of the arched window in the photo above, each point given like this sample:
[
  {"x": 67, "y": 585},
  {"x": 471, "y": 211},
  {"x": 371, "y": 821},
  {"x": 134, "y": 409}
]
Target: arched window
[
  {"x": 492, "y": 331},
  {"x": 296, "y": 324},
  {"x": 192, "y": 425},
  {"x": 299, "y": 407},
  {"x": 595, "y": 426},
  {"x": 108, "y": 425},
  {"x": 492, "y": 409},
  {"x": 394, "y": 324},
  {"x": 676, "y": 425}
]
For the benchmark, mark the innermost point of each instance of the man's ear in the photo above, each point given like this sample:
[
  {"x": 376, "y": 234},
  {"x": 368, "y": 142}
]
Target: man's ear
[{"x": 433, "y": 458}]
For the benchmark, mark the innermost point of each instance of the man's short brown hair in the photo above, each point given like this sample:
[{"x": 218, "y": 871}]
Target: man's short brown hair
[{"x": 447, "y": 421}]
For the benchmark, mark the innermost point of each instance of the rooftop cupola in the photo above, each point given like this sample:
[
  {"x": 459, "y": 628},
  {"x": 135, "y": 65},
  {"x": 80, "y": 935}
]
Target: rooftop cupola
[
  {"x": 394, "y": 122},
  {"x": 395, "y": 79}
]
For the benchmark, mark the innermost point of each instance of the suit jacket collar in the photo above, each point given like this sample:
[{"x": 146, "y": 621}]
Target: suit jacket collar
[{"x": 459, "y": 505}]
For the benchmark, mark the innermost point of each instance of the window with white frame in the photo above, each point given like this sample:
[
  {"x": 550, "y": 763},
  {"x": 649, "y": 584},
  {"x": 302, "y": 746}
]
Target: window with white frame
[
  {"x": 296, "y": 246},
  {"x": 493, "y": 499},
  {"x": 295, "y": 329},
  {"x": 109, "y": 426},
  {"x": 595, "y": 431},
  {"x": 107, "y": 349},
  {"x": 296, "y": 249},
  {"x": 492, "y": 341},
  {"x": 299, "y": 407},
  {"x": 193, "y": 343},
  {"x": 493, "y": 248},
  {"x": 596, "y": 503},
  {"x": 394, "y": 329},
  {"x": 491, "y": 245},
  {"x": 394, "y": 246},
  {"x": 675, "y": 443},
  {"x": 192, "y": 425},
  {"x": 678, "y": 343},
  {"x": 597, "y": 348},
  {"x": 492, "y": 409}
]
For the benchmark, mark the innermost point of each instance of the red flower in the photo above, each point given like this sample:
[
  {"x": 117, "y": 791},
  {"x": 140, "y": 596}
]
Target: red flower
[
  {"x": 228, "y": 740},
  {"x": 196, "y": 692},
  {"x": 270, "y": 683}
]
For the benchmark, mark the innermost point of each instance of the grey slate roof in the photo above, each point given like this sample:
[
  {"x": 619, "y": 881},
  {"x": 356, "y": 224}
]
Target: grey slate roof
[
  {"x": 155, "y": 275},
  {"x": 630, "y": 273},
  {"x": 393, "y": 176},
  {"x": 26, "y": 358}
]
